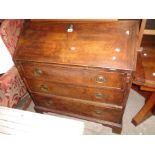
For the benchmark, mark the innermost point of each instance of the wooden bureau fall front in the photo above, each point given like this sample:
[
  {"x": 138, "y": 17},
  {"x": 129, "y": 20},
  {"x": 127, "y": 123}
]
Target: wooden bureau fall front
[{"x": 79, "y": 68}]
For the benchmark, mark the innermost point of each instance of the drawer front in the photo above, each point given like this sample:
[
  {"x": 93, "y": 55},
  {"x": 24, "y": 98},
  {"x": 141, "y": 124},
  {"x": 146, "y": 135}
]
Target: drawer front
[
  {"x": 111, "y": 96},
  {"x": 78, "y": 107},
  {"x": 74, "y": 75}
]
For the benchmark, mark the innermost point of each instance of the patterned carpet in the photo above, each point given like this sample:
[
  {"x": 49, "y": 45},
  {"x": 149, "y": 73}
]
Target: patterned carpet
[{"x": 134, "y": 104}]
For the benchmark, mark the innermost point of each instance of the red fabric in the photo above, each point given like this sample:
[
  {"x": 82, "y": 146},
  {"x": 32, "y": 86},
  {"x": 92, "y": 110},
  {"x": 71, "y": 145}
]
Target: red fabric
[
  {"x": 12, "y": 87},
  {"x": 10, "y": 30}
]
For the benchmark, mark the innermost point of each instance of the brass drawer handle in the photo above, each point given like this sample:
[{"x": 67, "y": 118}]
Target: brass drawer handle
[
  {"x": 38, "y": 72},
  {"x": 99, "y": 112},
  {"x": 99, "y": 95},
  {"x": 70, "y": 28},
  {"x": 100, "y": 79},
  {"x": 44, "y": 88}
]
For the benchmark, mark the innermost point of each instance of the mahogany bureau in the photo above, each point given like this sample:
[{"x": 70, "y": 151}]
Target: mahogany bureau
[{"x": 79, "y": 68}]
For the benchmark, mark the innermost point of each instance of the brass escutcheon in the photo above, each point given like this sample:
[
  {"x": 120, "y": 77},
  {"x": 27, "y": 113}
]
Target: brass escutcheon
[
  {"x": 44, "y": 88},
  {"x": 38, "y": 72},
  {"x": 99, "y": 95},
  {"x": 100, "y": 79},
  {"x": 99, "y": 112}
]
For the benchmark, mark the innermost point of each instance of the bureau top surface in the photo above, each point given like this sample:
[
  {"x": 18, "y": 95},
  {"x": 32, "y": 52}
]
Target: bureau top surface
[{"x": 102, "y": 44}]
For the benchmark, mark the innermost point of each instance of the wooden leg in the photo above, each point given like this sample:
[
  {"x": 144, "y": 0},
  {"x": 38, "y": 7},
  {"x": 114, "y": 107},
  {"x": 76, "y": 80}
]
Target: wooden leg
[
  {"x": 117, "y": 130},
  {"x": 145, "y": 110},
  {"x": 153, "y": 110},
  {"x": 38, "y": 110}
]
